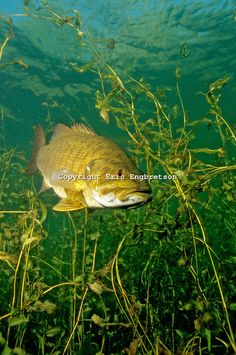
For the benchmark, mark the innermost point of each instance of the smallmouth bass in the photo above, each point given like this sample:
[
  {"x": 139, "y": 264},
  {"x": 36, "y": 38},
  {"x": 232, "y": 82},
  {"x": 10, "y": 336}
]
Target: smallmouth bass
[{"x": 86, "y": 170}]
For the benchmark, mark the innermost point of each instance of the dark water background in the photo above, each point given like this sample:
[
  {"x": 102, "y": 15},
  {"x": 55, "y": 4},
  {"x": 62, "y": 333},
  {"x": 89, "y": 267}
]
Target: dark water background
[{"x": 148, "y": 38}]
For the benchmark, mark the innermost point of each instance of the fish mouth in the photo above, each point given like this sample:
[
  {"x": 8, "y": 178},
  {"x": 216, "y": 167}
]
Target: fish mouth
[
  {"x": 127, "y": 199},
  {"x": 138, "y": 198}
]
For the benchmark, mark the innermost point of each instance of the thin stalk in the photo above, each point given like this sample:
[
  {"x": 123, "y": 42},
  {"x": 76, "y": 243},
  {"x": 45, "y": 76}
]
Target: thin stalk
[
  {"x": 84, "y": 239},
  {"x": 231, "y": 333},
  {"x": 9, "y": 36},
  {"x": 77, "y": 321}
]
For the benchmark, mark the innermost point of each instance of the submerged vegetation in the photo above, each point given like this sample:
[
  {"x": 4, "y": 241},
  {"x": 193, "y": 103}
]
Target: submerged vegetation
[{"x": 156, "y": 280}]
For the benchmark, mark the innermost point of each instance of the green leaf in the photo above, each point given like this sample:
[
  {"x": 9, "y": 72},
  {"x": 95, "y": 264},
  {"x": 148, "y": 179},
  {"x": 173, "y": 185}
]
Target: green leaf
[
  {"x": 17, "y": 320},
  {"x": 48, "y": 307},
  {"x": 52, "y": 332},
  {"x": 232, "y": 306},
  {"x": 6, "y": 351},
  {"x": 79, "y": 278},
  {"x": 19, "y": 351}
]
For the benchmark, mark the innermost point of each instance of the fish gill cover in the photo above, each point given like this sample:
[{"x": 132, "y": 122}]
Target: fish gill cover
[{"x": 159, "y": 80}]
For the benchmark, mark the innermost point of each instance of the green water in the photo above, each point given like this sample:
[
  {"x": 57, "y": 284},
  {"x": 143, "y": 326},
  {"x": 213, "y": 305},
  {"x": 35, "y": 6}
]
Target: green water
[{"x": 159, "y": 279}]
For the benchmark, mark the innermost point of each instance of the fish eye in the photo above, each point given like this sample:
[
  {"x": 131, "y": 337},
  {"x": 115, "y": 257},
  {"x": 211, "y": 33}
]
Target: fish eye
[{"x": 120, "y": 172}]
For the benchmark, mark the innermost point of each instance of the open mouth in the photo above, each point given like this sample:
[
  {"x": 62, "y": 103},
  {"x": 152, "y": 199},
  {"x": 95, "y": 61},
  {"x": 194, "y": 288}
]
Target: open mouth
[
  {"x": 138, "y": 198},
  {"x": 132, "y": 199}
]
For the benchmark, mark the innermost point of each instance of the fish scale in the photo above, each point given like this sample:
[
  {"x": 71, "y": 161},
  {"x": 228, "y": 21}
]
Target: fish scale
[{"x": 77, "y": 151}]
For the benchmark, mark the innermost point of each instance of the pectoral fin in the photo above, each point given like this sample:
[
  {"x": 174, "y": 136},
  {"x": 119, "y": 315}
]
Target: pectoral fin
[
  {"x": 67, "y": 204},
  {"x": 66, "y": 179},
  {"x": 77, "y": 196}
]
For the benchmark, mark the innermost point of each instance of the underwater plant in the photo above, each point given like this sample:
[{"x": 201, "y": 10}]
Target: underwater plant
[{"x": 155, "y": 280}]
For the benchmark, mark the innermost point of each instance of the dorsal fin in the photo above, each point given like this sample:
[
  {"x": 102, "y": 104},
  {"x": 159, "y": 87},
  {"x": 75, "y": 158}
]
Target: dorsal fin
[
  {"x": 81, "y": 128},
  {"x": 62, "y": 130}
]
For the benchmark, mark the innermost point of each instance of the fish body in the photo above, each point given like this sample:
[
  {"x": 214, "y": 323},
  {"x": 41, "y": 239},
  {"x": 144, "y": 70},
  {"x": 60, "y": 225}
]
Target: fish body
[{"x": 86, "y": 170}]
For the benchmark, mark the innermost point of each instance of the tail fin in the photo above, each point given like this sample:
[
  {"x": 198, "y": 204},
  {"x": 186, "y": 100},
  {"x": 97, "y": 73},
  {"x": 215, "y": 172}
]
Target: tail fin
[{"x": 39, "y": 142}]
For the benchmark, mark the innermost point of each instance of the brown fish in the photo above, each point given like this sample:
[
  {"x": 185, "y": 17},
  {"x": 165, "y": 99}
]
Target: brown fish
[{"x": 86, "y": 170}]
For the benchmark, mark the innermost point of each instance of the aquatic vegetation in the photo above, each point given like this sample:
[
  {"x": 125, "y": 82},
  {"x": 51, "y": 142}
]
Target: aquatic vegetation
[{"x": 156, "y": 280}]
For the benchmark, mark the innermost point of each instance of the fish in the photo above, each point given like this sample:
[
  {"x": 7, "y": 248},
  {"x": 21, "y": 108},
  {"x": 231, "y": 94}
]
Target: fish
[{"x": 86, "y": 170}]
